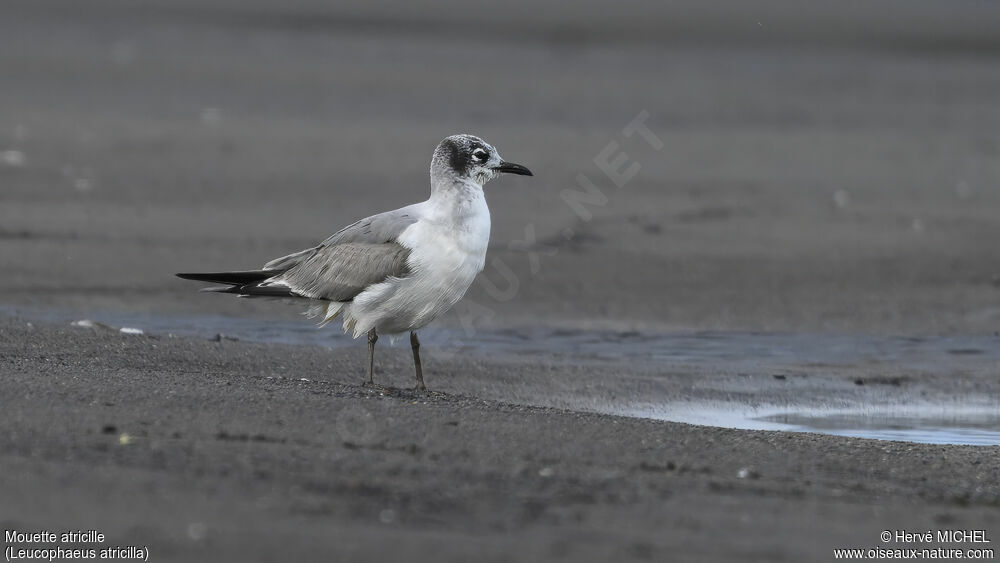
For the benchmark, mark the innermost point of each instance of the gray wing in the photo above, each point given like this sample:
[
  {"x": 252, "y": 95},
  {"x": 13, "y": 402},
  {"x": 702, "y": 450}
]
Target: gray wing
[
  {"x": 342, "y": 266},
  {"x": 340, "y": 272},
  {"x": 384, "y": 227},
  {"x": 377, "y": 229}
]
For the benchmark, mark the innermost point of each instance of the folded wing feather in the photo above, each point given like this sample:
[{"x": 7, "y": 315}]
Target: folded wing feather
[{"x": 340, "y": 272}]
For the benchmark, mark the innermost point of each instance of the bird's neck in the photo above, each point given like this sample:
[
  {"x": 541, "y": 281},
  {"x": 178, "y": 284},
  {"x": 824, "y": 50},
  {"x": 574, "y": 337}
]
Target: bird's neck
[{"x": 458, "y": 197}]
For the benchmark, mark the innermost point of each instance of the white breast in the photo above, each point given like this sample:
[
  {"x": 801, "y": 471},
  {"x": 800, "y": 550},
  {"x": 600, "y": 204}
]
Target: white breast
[{"x": 447, "y": 251}]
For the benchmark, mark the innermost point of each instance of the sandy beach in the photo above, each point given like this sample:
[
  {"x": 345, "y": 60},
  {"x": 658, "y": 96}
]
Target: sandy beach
[
  {"x": 811, "y": 225},
  {"x": 232, "y": 456}
]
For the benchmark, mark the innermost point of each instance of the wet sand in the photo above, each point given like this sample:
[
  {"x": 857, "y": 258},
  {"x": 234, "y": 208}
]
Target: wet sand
[
  {"x": 826, "y": 170},
  {"x": 839, "y": 184},
  {"x": 232, "y": 456}
]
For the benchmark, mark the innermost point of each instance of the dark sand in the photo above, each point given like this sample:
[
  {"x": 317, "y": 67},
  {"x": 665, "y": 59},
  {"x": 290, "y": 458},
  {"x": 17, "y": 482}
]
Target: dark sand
[
  {"x": 824, "y": 169},
  {"x": 233, "y": 457},
  {"x": 845, "y": 184}
]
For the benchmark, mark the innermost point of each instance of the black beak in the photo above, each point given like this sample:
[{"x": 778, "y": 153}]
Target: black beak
[{"x": 511, "y": 168}]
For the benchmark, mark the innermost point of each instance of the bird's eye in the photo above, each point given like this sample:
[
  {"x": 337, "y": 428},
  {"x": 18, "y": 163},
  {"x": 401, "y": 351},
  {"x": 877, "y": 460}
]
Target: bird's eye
[{"x": 480, "y": 155}]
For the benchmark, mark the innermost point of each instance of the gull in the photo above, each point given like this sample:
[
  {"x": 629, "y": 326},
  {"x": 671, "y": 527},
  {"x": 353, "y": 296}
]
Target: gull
[{"x": 396, "y": 271}]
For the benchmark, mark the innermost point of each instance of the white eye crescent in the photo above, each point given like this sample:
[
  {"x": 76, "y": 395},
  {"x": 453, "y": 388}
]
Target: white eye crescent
[{"x": 480, "y": 155}]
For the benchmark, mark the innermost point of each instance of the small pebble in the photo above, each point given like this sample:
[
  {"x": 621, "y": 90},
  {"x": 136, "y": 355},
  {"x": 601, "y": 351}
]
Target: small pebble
[
  {"x": 197, "y": 531},
  {"x": 841, "y": 199},
  {"x": 83, "y": 184},
  {"x": 211, "y": 116},
  {"x": 13, "y": 158}
]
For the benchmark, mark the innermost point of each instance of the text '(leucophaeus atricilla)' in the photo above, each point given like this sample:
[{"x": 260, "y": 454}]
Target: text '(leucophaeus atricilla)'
[{"x": 399, "y": 270}]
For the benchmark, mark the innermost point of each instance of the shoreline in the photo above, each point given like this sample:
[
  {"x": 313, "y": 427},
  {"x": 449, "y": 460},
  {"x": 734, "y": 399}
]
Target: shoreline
[
  {"x": 227, "y": 435},
  {"x": 890, "y": 388}
]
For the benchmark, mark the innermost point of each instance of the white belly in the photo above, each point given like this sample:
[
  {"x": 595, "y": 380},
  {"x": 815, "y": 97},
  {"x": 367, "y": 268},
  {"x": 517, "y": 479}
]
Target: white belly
[{"x": 444, "y": 261}]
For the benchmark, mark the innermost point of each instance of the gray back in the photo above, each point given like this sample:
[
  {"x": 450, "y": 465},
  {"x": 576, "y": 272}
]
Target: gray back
[
  {"x": 342, "y": 266},
  {"x": 377, "y": 229}
]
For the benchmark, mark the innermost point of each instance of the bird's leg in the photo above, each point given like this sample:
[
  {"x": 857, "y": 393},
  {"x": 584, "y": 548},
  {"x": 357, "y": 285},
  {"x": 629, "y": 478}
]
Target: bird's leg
[
  {"x": 372, "y": 339},
  {"x": 415, "y": 344}
]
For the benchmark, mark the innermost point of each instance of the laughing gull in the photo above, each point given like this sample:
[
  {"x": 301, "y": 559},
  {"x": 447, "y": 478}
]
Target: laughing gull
[{"x": 399, "y": 270}]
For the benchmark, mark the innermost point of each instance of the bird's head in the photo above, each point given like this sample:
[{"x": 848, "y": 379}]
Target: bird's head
[{"x": 468, "y": 156}]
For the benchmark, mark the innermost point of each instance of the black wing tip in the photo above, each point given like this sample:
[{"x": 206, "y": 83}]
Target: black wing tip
[
  {"x": 210, "y": 277},
  {"x": 243, "y": 284},
  {"x": 230, "y": 278}
]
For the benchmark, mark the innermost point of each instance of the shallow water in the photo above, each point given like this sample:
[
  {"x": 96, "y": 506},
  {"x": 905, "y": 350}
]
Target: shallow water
[
  {"x": 958, "y": 427},
  {"x": 732, "y": 352},
  {"x": 926, "y": 424}
]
